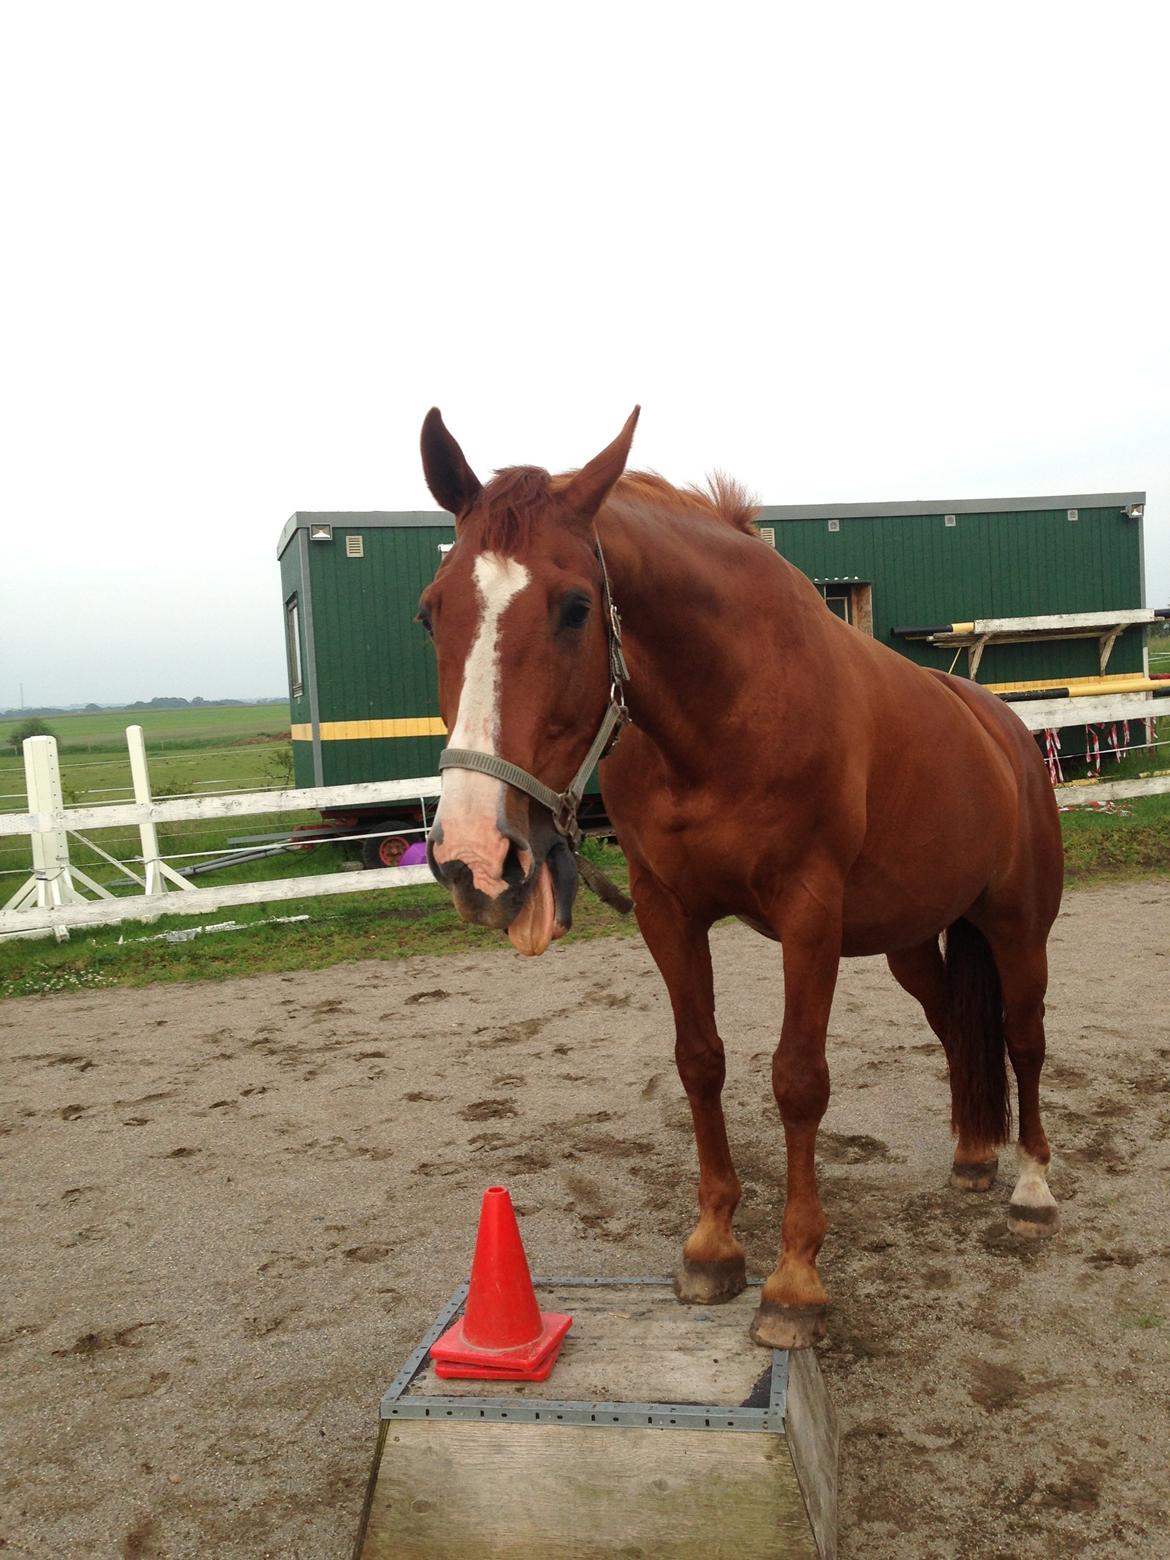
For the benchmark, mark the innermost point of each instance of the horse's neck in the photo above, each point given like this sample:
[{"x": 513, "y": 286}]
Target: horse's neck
[{"x": 678, "y": 585}]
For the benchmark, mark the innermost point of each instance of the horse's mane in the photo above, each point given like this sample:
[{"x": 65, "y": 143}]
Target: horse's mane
[
  {"x": 509, "y": 506},
  {"x": 722, "y": 499}
]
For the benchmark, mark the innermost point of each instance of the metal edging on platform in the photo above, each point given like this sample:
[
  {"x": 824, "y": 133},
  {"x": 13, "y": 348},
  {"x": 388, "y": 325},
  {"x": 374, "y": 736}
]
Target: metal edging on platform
[
  {"x": 418, "y": 1359},
  {"x": 565, "y": 1411}
]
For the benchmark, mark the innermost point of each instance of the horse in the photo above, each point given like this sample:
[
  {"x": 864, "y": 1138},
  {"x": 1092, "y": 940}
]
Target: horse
[{"x": 772, "y": 763}]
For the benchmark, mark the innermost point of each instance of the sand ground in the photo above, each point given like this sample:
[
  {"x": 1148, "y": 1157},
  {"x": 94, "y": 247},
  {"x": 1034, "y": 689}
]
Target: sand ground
[{"x": 230, "y": 1211}]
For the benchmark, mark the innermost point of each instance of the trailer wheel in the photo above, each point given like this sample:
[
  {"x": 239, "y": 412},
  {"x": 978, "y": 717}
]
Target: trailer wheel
[{"x": 383, "y": 850}]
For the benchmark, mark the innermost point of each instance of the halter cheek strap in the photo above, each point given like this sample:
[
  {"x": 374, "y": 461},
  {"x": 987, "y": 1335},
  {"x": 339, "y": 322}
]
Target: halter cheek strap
[{"x": 563, "y": 805}]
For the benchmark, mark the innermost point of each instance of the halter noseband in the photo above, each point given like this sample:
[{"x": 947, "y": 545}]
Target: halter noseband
[{"x": 563, "y": 805}]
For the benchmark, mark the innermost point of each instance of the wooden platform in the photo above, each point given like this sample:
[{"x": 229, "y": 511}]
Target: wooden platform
[{"x": 663, "y": 1431}]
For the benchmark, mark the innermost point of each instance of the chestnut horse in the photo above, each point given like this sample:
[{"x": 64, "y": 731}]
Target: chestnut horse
[{"x": 778, "y": 766}]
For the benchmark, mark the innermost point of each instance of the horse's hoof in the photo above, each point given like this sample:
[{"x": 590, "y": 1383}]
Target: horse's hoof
[
  {"x": 979, "y": 1177},
  {"x": 710, "y": 1283},
  {"x": 1033, "y": 1223},
  {"x": 788, "y": 1326}
]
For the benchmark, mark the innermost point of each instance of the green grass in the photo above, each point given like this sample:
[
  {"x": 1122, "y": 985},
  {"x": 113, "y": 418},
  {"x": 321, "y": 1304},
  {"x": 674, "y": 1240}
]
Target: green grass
[
  {"x": 1100, "y": 845},
  {"x": 358, "y": 926}
]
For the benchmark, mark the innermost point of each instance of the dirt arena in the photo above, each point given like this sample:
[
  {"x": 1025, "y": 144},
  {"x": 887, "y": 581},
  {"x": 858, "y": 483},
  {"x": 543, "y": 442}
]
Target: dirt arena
[{"x": 229, "y": 1212}]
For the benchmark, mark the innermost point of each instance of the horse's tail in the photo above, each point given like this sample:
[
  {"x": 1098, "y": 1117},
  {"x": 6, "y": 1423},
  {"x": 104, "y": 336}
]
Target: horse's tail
[{"x": 981, "y": 1108}]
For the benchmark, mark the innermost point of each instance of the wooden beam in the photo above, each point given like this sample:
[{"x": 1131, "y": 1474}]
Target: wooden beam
[
  {"x": 1113, "y": 790},
  {"x": 149, "y": 907},
  {"x": 1105, "y": 648},
  {"x": 1049, "y": 714},
  {"x": 1056, "y": 621},
  {"x": 233, "y": 805}
]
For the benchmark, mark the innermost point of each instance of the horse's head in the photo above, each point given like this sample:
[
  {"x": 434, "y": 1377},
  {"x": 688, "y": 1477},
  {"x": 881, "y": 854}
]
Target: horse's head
[{"x": 517, "y": 615}]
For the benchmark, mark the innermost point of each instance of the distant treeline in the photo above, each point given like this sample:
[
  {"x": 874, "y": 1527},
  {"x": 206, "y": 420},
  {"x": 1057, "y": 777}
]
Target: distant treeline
[{"x": 142, "y": 704}]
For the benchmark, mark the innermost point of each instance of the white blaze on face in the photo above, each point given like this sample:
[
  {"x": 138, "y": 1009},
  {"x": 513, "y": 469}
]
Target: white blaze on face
[{"x": 469, "y": 809}]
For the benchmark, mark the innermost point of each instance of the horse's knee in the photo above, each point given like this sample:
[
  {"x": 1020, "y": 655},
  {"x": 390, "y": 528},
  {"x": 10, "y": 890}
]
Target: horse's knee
[
  {"x": 801, "y": 1086},
  {"x": 702, "y": 1068}
]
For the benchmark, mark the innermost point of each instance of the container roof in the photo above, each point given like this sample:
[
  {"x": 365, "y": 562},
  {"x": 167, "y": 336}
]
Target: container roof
[
  {"x": 359, "y": 520},
  {"x": 370, "y": 519},
  {"x": 950, "y": 506}
]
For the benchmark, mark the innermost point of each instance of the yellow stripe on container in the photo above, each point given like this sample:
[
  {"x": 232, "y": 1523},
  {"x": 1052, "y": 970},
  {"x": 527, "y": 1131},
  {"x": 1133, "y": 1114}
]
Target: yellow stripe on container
[{"x": 364, "y": 730}]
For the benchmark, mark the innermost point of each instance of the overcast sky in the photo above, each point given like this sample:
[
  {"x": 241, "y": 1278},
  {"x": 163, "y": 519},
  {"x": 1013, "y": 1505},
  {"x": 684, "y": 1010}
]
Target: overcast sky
[{"x": 871, "y": 252}]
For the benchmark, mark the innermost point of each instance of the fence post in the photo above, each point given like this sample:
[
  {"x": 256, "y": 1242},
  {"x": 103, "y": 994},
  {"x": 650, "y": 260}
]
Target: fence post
[
  {"x": 157, "y": 871},
  {"x": 50, "y": 850},
  {"x": 52, "y": 881}
]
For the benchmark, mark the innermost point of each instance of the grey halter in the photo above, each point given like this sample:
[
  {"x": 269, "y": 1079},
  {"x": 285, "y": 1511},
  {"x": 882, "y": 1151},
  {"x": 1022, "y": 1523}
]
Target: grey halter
[{"x": 563, "y": 805}]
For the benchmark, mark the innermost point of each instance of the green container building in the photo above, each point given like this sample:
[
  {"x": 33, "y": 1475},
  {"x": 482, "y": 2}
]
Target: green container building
[
  {"x": 362, "y": 687},
  {"x": 362, "y": 683},
  {"x": 902, "y": 565}
]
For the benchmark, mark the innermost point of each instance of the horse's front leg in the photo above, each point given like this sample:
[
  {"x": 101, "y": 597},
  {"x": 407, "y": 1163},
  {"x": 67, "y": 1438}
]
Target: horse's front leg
[
  {"x": 791, "y": 1313},
  {"x": 713, "y": 1260}
]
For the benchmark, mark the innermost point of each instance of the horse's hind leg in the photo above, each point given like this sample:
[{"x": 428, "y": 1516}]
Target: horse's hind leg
[
  {"x": 713, "y": 1260},
  {"x": 1023, "y": 972},
  {"x": 922, "y": 972}
]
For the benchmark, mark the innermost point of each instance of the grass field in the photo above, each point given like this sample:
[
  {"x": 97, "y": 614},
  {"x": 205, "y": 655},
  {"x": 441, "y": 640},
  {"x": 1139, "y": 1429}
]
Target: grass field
[
  {"x": 192, "y": 752},
  {"x": 90, "y": 731}
]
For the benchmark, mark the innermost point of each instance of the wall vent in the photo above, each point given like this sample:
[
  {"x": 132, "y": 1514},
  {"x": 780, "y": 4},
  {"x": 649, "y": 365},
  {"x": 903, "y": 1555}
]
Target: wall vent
[
  {"x": 1074, "y": 514},
  {"x": 767, "y": 534},
  {"x": 948, "y": 520},
  {"x": 355, "y": 547},
  {"x": 834, "y": 525}
]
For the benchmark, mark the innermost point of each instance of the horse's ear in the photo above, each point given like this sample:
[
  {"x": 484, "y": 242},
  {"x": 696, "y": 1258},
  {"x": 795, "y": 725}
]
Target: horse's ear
[
  {"x": 448, "y": 475},
  {"x": 587, "y": 490}
]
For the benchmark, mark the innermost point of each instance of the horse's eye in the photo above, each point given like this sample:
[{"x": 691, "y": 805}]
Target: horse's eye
[
  {"x": 423, "y": 616},
  {"x": 574, "y": 612}
]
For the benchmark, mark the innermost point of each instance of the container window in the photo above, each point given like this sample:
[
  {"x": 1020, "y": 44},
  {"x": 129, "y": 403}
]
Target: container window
[
  {"x": 838, "y": 601},
  {"x": 851, "y": 601},
  {"x": 292, "y": 642}
]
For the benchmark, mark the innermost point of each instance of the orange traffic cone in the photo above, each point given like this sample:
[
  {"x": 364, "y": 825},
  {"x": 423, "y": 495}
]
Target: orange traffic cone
[{"x": 502, "y": 1335}]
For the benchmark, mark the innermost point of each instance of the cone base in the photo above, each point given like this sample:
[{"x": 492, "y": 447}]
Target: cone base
[
  {"x": 453, "y": 1350},
  {"x": 541, "y": 1371}
]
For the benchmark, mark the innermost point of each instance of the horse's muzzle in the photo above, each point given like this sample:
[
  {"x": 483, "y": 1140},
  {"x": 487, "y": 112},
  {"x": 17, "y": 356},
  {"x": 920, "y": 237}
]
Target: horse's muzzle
[
  {"x": 539, "y": 877},
  {"x": 463, "y": 878}
]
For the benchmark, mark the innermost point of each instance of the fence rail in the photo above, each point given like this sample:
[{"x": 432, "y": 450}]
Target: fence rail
[
  {"x": 237, "y": 804},
  {"x": 143, "y": 907}
]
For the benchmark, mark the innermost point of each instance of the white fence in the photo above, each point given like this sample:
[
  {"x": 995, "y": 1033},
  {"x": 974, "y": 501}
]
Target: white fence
[{"x": 51, "y": 901}]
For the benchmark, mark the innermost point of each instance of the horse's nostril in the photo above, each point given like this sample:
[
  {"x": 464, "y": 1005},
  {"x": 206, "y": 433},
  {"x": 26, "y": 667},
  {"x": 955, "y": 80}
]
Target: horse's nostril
[
  {"x": 517, "y": 863},
  {"x": 438, "y": 869}
]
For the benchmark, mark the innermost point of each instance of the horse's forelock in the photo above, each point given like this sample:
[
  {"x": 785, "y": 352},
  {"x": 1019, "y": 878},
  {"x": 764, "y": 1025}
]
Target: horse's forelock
[{"x": 509, "y": 506}]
